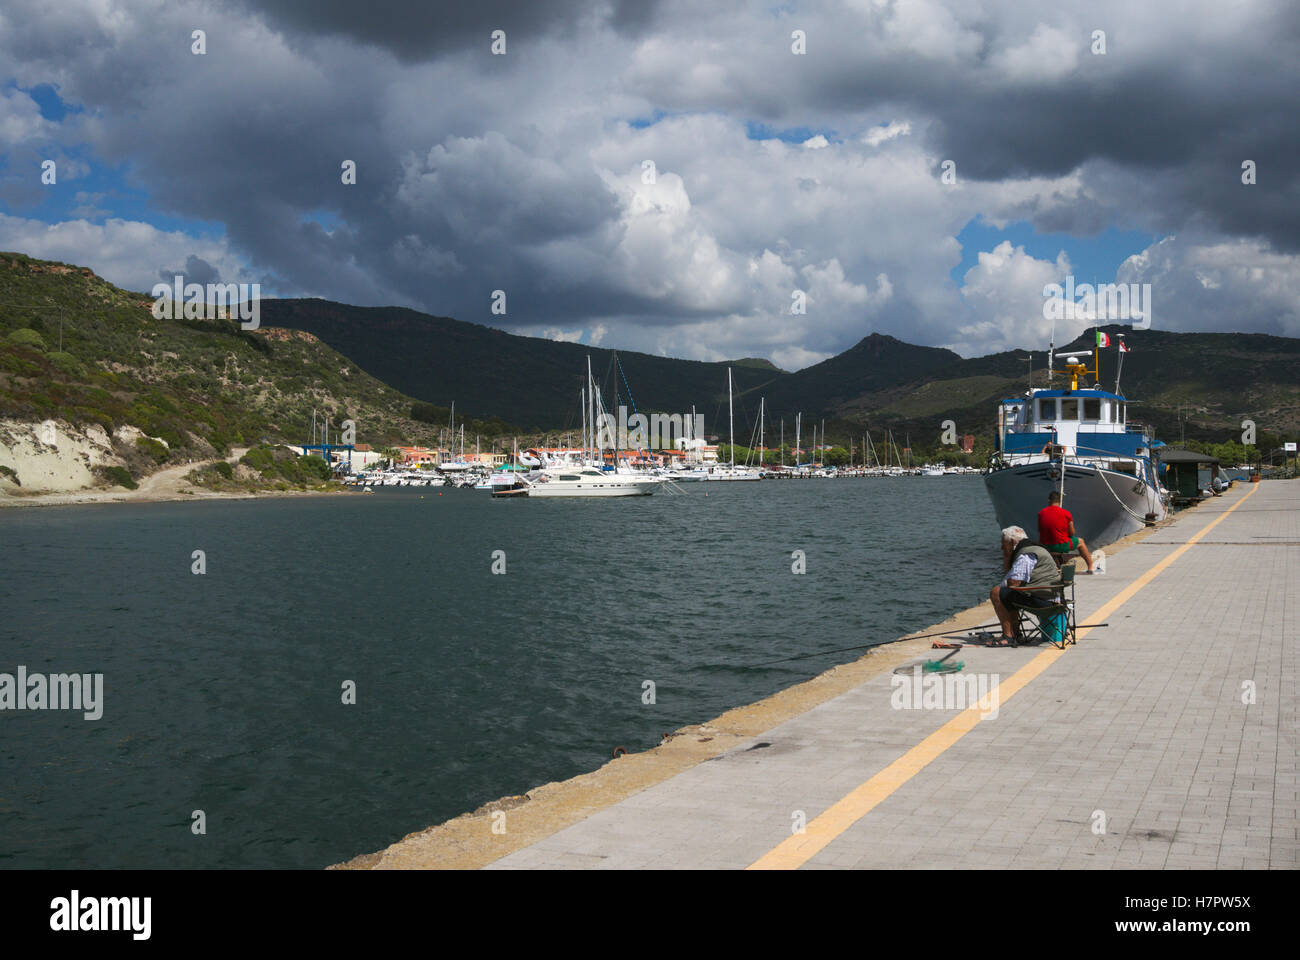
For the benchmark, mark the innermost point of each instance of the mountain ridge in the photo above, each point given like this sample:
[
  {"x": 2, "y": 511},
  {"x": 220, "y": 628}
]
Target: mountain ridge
[{"x": 408, "y": 367}]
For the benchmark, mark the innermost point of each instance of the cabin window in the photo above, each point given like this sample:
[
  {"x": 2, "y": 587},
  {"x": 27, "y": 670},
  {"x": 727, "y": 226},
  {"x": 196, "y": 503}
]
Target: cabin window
[
  {"x": 568, "y": 476},
  {"x": 1047, "y": 411},
  {"x": 1070, "y": 409},
  {"x": 1092, "y": 408}
]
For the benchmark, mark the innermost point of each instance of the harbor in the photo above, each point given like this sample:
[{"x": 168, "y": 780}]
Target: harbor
[
  {"x": 634, "y": 435},
  {"x": 1164, "y": 739}
]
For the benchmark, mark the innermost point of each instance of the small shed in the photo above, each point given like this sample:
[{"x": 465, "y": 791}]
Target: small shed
[{"x": 1181, "y": 472}]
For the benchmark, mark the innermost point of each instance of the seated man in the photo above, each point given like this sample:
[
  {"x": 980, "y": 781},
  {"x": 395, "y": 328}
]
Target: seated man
[
  {"x": 1056, "y": 530},
  {"x": 1027, "y": 564}
]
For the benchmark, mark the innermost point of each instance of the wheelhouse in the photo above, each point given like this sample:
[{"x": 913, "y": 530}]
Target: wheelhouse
[{"x": 1087, "y": 423}]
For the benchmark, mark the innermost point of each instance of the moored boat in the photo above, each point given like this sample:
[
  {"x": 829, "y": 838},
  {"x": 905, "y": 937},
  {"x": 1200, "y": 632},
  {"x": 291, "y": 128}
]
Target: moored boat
[{"x": 1079, "y": 442}]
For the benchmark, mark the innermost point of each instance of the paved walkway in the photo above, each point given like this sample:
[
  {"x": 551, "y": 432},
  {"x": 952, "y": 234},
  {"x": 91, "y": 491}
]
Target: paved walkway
[{"x": 1132, "y": 749}]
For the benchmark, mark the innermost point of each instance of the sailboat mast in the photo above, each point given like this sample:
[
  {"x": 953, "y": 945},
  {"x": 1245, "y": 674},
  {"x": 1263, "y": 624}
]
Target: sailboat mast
[
  {"x": 591, "y": 401},
  {"x": 731, "y": 419}
]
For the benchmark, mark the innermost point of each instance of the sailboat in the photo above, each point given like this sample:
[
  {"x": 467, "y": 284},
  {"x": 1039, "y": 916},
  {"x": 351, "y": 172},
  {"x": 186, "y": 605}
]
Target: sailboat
[
  {"x": 729, "y": 471},
  {"x": 459, "y": 465}
]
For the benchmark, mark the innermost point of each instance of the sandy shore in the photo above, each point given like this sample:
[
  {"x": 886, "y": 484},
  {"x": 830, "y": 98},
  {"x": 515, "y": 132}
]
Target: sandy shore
[
  {"x": 164, "y": 485},
  {"x": 468, "y": 843}
]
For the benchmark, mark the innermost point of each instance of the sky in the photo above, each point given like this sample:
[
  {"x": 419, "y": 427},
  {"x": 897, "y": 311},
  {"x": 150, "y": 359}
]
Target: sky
[{"x": 669, "y": 176}]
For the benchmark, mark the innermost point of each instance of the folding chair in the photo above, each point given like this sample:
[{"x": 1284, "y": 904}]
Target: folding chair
[
  {"x": 1063, "y": 558},
  {"x": 1055, "y": 622}
]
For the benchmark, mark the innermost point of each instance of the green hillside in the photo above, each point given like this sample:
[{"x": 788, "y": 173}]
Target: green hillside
[
  {"x": 73, "y": 347},
  {"x": 1197, "y": 385},
  {"x": 528, "y": 380}
]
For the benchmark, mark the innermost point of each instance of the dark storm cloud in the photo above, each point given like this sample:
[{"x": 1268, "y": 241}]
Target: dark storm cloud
[
  {"x": 423, "y": 30},
  {"x": 1179, "y": 100},
  {"x": 1182, "y": 139},
  {"x": 197, "y": 270},
  {"x": 478, "y": 172}
]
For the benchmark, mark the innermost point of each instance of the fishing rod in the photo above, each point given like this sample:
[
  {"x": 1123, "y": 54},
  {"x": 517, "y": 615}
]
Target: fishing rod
[{"x": 881, "y": 643}]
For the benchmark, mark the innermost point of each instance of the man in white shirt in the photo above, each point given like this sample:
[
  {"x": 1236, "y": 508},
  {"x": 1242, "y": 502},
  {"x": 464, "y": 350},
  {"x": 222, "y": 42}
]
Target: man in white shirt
[{"x": 1028, "y": 564}]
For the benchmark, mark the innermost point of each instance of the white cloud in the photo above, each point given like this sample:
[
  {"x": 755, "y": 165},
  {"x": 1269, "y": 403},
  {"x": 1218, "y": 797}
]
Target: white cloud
[
  {"x": 878, "y": 135},
  {"x": 128, "y": 253},
  {"x": 1004, "y": 292},
  {"x": 562, "y": 336},
  {"x": 1047, "y": 55},
  {"x": 1202, "y": 284},
  {"x": 21, "y": 120}
]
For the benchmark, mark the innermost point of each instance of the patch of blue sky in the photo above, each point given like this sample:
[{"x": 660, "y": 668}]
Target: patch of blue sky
[
  {"x": 328, "y": 220},
  {"x": 761, "y": 131},
  {"x": 1093, "y": 259},
  {"x": 103, "y": 193},
  {"x": 47, "y": 98},
  {"x": 640, "y": 123}
]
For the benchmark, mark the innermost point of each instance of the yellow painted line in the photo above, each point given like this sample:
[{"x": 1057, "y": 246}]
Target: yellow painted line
[{"x": 798, "y": 849}]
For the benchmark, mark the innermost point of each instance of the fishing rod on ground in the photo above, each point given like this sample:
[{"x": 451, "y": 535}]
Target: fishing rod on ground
[{"x": 881, "y": 643}]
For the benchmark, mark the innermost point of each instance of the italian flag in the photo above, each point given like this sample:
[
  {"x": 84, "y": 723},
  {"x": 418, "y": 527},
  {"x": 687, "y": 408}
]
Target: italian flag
[{"x": 1102, "y": 339}]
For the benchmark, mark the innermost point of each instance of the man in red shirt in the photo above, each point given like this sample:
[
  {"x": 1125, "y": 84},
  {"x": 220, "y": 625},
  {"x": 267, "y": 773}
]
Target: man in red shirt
[{"x": 1056, "y": 530}]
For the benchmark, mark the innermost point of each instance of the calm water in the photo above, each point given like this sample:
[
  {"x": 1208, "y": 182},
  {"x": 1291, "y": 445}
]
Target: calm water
[{"x": 223, "y": 691}]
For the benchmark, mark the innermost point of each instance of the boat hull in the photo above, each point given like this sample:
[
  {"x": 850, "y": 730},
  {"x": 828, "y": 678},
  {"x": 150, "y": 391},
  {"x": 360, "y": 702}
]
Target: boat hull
[
  {"x": 1093, "y": 496},
  {"x": 562, "y": 488}
]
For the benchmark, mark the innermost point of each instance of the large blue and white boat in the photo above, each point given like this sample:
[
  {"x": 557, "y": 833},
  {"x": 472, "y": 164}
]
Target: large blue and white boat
[{"x": 1080, "y": 442}]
